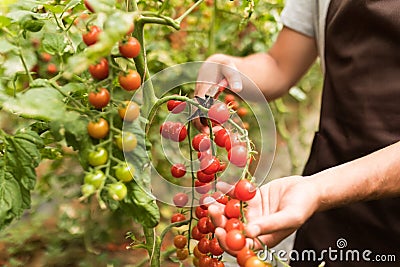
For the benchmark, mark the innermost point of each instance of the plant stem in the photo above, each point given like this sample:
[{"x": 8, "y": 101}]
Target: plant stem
[
  {"x": 193, "y": 179},
  {"x": 187, "y": 12},
  {"x": 211, "y": 33},
  {"x": 149, "y": 97}
]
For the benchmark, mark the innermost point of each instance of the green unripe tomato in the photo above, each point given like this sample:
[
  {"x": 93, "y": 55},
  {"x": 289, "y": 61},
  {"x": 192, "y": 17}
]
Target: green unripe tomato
[
  {"x": 98, "y": 157},
  {"x": 88, "y": 189},
  {"x": 117, "y": 191},
  {"x": 127, "y": 142},
  {"x": 95, "y": 178},
  {"x": 125, "y": 172}
]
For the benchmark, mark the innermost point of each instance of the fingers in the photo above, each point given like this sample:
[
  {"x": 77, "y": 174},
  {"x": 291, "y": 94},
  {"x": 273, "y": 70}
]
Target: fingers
[
  {"x": 232, "y": 75},
  {"x": 280, "y": 221},
  {"x": 215, "y": 69},
  {"x": 216, "y": 212}
]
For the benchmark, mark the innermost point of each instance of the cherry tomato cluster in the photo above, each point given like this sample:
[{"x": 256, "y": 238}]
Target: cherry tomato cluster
[
  {"x": 207, "y": 252},
  {"x": 100, "y": 98}
]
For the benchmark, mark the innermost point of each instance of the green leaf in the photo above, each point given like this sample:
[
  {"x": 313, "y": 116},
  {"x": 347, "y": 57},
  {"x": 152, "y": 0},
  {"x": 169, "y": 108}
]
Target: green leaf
[
  {"x": 4, "y": 21},
  {"x": 6, "y": 46},
  {"x": 54, "y": 8},
  {"x": 38, "y": 103},
  {"x": 31, "y": 24},
  {"x": 138, "y": 157},
  {"x": 54, "y": 43},
  {"x": 74, "y": 130},
  {"x": 18, "y": 161},
  {"x": 141, "y": 206}
]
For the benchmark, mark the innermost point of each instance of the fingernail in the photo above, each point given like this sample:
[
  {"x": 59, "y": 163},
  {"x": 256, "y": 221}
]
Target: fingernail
[{"x": 236, "y": 86}]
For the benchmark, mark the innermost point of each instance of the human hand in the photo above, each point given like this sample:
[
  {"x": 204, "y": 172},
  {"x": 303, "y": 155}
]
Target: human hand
[
  {"x": 214, "y": 70},
  {"x": 218, "y": 71},
  {"x": 279, "y": 208}
]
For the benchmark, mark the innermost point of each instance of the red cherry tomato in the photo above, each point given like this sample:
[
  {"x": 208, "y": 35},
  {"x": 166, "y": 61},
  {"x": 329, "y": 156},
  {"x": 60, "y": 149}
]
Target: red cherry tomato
[
  {"x": 204, "y": 245},
  {"x": 210, "y": 226},
  {"x": 177, "y": 217},
  {"x": 204, "y": 154},
  {"x": 99, "y": 71},
  {"x": 242, "y": 111},
  {"x": 176, "y": 106},
  {"x": 205, "y": 261},
  {"x": 196, "y": 233},
  {"x": 130, "y": 81},
  {"x": 237, "y": 155},
  {"x": 92, "y": 36},
  {"x": 244, "y": 189},
  {"x": 99, "y": 99},
  {"x": 182, "y": 254},
  {"x": 200, "y": 212},
  {"x": 202, "y": 188},
  {"x": 234, "y": 224},
  {"x": 215, "y": 248},
  {"x": 217, "y": 263},
  {"x": 220, "y": 137},
  {"x": 52, "y": 68},
  {"x": 202, "y": 225},
  {"x": 209, "y": 165},
  {"x": 180, "y": 200},
  {"x": 234, "y": 105},
  {"x": 180, "y": 241},
  {"x": 165, "y": 129},
  {"x": 232, "y": 208},
  {"x": 196, "y": 252},
  {"x": 244, "y": 254},
  {"x": 233, "y": 140},
  {"x": 220, "y": 197},
  {"x": 201, "y": 142},
  {"x": 219, "y": 113},
  {"x": 178, "y": 132},
  {"x": 222, "y": 166},
  {"x": 46, "y": 57},
  {"x": 99, "y": 129},
  {"x": 178, "y": 170},
  {"x": 229, "y": 98},
  {"x": 235, "y": 240},
  {"x": 129, "y": 48},
  {"x": 205, "y": 178}
]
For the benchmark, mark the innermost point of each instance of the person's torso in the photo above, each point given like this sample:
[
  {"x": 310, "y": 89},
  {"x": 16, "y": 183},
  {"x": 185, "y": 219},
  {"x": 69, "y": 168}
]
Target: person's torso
[{"x": 360, "y": 114}]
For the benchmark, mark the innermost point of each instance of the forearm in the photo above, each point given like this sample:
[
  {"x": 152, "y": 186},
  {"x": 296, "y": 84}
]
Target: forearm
[
  {"x": 260, "y": 68},
  {"x": 274, "y": 72},
  {"x": 374, "y": 176}
]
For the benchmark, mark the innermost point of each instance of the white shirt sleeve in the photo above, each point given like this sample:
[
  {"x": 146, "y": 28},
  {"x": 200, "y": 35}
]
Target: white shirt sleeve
[{"x": 299, "y": 15}]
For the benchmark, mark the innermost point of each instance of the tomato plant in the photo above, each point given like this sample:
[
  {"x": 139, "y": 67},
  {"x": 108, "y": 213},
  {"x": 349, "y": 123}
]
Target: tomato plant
[{"x": 73, "y": 73}]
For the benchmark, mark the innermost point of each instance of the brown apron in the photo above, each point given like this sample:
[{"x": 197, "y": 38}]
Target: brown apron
[{"x": 360, "y": 114}]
